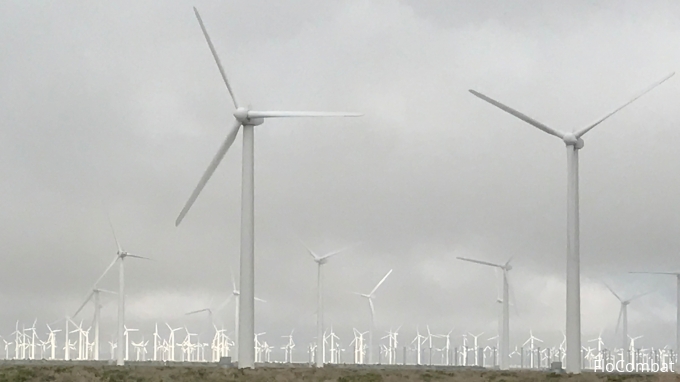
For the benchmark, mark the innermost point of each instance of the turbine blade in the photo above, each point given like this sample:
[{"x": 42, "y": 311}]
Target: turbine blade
[
  {"x": 114, "y": 232},
  {"x": 370, "y": 303},
  {"x": 586, "y": 129},
  {"x": 314, "y": 255},
  {"x": 326, "y": 256},
  {"x": 380, "y": 283},
  {"x": 210, "y": 170},
  {"x": 611, "y": 290},
  {"x": 105, "y": 271},
  {"x": 107, "y": 291},
  {"x": 139, "y": 257},
  {"x": 224, "y": 303},
  {"x": 479, "y": 262},
  {"x": 84, "y": 303},
  {"x": 519, "y": 115},
  {"x": 233, "y": 280},
  {"x": 217, "y": 59},
  {"x": 259, "y": 299},
  {"x": 287, "y": 114},
  {"x": 508, "y": 262},
  {"x": 659, "y": 273},
  {"x": 640, "y": 295},
  {"x": 618, "y": 321},
  {"x": 196, "y": 311}
]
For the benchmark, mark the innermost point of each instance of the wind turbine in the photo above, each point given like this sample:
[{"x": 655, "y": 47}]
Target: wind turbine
[
  {"x": 247, "y": 118},
  {"x": 677, "y": 306},
  {"x": 574, "y": 142},
  {"x": 504, "y": 350},
  {"x": 370, "y": 297},
  {"x": 320, "y": 260},
  {"x": 120, "y": 257},
  {"x": 623, "y": 314},
  {"x": 94, "y": 296}
]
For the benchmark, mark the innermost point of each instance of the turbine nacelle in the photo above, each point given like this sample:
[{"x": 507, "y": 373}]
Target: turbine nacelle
[{"x": 242, "y": 115}]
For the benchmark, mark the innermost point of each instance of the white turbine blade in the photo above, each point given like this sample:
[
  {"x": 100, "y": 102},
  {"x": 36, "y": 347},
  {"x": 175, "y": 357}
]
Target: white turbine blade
[
  {"x": 640, "y": 295},
  {"x": 519, "y": 115},
  {"x": 326, "y": 256},
  {"x": 314, "y": 255},
  {"x": 581, "y": 132},
  {"x": 511, "y": 293},
  {"x": 659, "y": 273},
  {"x": 84, "y": 303},
  {"x": 196, "y": 311},
  {"x": 380, "y": 283},
  {"x": 370, "y": 303},
  {"x": 224, "y": 303},
  {"x": 479, "y": 262},
  {"x": 107, "y": 291},
  {"x": 233, "y": 280},
  {"x": 217, "y": 59},
  {"x": 114, "y": 232},
  {"x": 210, "y": 170},
  {"x": 508, "y": 262},
  {"x": 138, "y": 257},
  {"x": 259, "y": 299},
  {"x": 618, "y": 321},
  {"x": 106, "y": 271},
  {"x": 287, "y": 114},
  {"x": 611, "y": 290}
]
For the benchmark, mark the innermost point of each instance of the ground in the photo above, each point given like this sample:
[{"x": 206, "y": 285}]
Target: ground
[{"x": 139, "y": 373}]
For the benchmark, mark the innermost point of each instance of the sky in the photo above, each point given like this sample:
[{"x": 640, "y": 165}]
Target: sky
[{"x": 117, "y": 108}]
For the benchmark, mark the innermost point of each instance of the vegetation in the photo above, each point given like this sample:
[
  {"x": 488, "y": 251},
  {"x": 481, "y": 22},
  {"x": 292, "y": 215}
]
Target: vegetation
[{"x": 139, "y": 373}]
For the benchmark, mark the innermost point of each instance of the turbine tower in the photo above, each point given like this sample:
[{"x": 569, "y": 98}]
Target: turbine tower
[
  {"x": 574, "y": 142},
  {"x": 623, "y": 316},
  {"x": 370, "y": 297},
  {"x": 247, "y": 118},
  {"x": 320, "y": 260},
  {"x": 94, "y": 296},
  {"x": 504, "y": 350},
  {"x": 677, "y": 306}
]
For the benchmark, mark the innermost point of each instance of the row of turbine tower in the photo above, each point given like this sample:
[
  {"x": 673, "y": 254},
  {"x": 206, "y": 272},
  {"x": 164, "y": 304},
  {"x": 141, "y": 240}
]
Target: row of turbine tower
[{"x": 431, "y": 349}]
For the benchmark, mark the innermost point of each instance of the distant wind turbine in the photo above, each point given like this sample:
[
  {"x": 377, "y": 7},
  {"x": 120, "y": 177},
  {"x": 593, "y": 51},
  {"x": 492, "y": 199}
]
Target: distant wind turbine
[
  {"x": 370, "y": 297},
  {"x": 120, "y": 257},
  {"x": 574, "y": 142},
  {"x": 504, "y": 363},
  {"x": 623, "y": 315},
  {"x": 320, "y": 260},
  {"x": 247, "y": 118},
  {"x": 677, "y": 306}
]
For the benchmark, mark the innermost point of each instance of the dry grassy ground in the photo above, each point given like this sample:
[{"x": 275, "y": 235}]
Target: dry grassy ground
[{"x": 186, "y": 374}]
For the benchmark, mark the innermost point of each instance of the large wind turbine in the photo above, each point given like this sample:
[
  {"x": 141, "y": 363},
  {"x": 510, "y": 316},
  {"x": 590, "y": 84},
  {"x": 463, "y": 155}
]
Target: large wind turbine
[
  {"x": 574, "y": 142},
  {"x": 120, "y": 257},
  {"x": 370, "y": 297},
  {"x": 677, "y": 306},
  {"x": 505, "y": 328},
  {"x": 623, "y": 316},
  {"x": 320, "y": 260},
  {"x": 247, "y": 118}
]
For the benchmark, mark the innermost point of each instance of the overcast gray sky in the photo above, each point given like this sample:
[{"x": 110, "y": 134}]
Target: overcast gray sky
[{"x": 119, "y": 106}]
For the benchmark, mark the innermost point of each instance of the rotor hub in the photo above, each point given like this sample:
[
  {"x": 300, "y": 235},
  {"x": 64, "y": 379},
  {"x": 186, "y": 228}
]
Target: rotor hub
[{"x": 570, "y": 139}]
